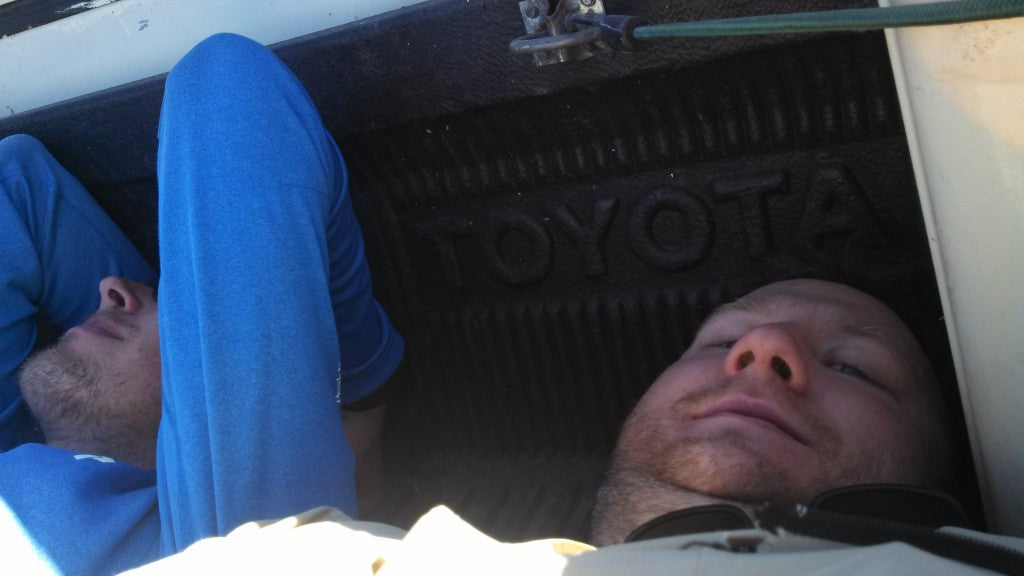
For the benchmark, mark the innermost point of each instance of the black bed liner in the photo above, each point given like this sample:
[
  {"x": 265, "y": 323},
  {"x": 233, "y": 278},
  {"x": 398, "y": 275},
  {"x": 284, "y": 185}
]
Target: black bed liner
[{"x": 547, "y": 239}]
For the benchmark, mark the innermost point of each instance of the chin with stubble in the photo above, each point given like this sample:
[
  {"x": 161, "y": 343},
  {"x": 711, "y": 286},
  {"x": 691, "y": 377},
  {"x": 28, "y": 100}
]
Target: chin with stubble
[{"x": 82, "y": 408}]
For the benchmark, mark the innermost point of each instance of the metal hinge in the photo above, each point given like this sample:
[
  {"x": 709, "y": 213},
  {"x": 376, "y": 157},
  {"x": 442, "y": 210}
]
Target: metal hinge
[{"x": 573, "y": 31}]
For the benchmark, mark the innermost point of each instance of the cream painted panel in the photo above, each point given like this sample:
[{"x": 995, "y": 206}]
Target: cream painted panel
[
  {"x": 122, "y": 41},
  {"x": 962, "y": 92}
]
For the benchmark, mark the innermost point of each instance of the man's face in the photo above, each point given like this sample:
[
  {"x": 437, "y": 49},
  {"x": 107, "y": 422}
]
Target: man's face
[
  {"x": 104, "y": 372},
  {"x": 799, "y": 387}
]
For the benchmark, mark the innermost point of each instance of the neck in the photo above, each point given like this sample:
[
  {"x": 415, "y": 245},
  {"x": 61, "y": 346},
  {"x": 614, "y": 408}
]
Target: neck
[
  {"x": 629, "y": 498},
  {"x": 137, "y": 451}
]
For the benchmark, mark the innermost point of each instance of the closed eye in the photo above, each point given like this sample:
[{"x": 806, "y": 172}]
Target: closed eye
[
  {"x": 854, "y": 372},
  {"x": 849, "y": 370},
  {"x": 724, "y": 344}
]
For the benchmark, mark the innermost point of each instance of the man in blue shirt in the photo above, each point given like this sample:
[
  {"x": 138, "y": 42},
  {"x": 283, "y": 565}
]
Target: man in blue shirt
[{"x": 166, "y": 423}]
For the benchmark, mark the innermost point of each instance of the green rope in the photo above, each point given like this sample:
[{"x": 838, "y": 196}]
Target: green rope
[{"x": 841, "y": 20}]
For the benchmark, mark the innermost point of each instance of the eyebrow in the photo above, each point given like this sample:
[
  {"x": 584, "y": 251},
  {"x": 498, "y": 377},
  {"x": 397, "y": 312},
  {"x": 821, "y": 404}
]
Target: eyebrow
[
  {"x": 745, "y": 304},
  {"x": 894, "y": 348},
  {"x": 855, "y": 328},
  {"x": 760, "y": 307},
  {"x": 859, "y": 329}
]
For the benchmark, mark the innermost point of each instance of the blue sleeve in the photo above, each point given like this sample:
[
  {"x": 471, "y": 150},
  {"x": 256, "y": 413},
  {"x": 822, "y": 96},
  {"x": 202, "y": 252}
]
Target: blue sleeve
[
  {"x": 264, "y": 298},
  {"x": 56, "y": 244}
]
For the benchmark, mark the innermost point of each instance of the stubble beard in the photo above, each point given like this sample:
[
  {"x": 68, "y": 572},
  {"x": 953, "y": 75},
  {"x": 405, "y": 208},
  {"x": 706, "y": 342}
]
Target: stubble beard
[
  {"x": 629, "y": 497},
  {"x": 726, "y": 463},
  {"x": 656, "y": 470},
  {"x": 60, "y": 388},
  {"x": 78, "y": 406}
]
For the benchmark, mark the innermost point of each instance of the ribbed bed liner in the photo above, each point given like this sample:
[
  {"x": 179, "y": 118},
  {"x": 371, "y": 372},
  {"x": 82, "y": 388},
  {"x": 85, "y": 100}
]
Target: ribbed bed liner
[
  {"x": 510, "y": 498},
  {"x": 548, "y": 239}
]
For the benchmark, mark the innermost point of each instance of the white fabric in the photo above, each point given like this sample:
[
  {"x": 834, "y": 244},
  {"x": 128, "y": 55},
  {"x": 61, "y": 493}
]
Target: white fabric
[{"x": 324, "y": 541}]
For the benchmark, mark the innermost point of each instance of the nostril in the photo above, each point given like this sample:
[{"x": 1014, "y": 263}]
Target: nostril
[
  {"x": 745, "y": 359},
  {"x": 781, "y": 368},
  {"x": 116, "y": 297}
]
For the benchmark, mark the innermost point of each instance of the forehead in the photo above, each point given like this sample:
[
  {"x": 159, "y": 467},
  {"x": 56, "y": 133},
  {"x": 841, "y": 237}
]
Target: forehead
[{"x": 805, "y": 297}]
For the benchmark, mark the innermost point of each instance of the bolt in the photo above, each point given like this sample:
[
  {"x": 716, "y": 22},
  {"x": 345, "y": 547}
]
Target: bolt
[
  {"x": 532, "y": 11},
  {"x": 588, "y": 3}
]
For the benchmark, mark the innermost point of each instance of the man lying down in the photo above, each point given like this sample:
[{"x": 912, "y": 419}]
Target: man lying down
[
  {"x": 804, "y": 418},
  {"x": 166, "y": 437}
]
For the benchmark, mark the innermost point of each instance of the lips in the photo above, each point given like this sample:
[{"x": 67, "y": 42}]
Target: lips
[
  {"x": 103, "y": 327},
  {"x": 749, "y": 408}
]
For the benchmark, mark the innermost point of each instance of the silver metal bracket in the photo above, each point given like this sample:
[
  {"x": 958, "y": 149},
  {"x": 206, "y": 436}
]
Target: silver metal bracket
[{"x": 554, "y": 37}]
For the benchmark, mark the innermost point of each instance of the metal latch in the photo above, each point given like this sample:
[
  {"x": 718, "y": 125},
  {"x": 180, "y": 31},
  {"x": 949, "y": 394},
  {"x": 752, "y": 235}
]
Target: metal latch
[{"x": 573, "y": 31}]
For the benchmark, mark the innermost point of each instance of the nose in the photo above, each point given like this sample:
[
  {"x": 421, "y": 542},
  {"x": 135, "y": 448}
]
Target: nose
[
  {"x": 772, "y": 350},
  {"x": 118, "y": 292}
]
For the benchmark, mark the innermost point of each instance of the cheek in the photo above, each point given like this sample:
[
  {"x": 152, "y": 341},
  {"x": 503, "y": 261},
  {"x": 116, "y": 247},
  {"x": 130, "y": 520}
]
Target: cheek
[
  {"x": 155, "y": 356},
  {"x": 150, "y": 347},
  {"x": 861, "y": 420},
  {"x": 660, "y": 407},
  {"x": 687, "y": 375},
  {"x": 150, "y": 371},
  {"x": 661, "y": 398},
  {"x": 144, "y": 358},
  {"x": 876, "y": 430}
]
